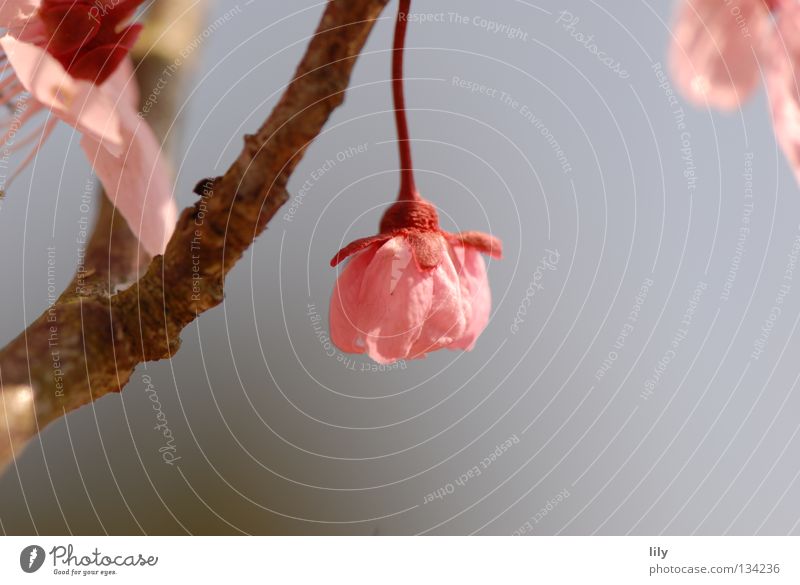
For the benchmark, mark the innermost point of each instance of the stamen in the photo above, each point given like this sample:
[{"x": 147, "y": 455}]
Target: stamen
[
  {"x": 18, "y": 122},
  {"x": 8, "y": 82},
  {"x": 9, "y": 98},
  {"x": 22, "y": 143},
  {"x": 48, "y": 128}
]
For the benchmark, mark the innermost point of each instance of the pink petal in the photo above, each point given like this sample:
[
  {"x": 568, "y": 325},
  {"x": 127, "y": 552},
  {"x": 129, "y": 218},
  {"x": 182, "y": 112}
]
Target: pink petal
[
  {"x": 123, "y": 86},
  {"x": 394, "y": 300},
  {"x": 79, "y": 103},
  {"x": 345, "y": 302},
  {"x": 14, "y": 13},
  {"x": 136, "y": 180},
  {"x": 712, "y": 57},
  {"x": 474, "y": 288},
  {"x": 782, "y": 83},
  {"x": 446, "y": 320}
]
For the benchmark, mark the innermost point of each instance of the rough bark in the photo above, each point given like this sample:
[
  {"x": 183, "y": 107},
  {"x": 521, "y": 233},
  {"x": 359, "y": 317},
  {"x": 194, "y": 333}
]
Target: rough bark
[{"x": 102, "y": 335}]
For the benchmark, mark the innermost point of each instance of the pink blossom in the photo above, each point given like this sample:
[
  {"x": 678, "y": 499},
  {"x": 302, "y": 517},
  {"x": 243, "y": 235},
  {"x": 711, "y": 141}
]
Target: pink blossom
[
  {"x": 714, "y": 53},
  {"x": 412, "y": 290},
  {"x": 718, "y": 51},
  {"x": 69, "y": 59}
]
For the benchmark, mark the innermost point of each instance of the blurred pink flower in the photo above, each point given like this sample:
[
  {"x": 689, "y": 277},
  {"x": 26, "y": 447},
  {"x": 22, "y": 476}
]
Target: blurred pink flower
[
  {"x": 783, "y": 64},
  {"x": 720, "y": 47},
  {"x": 68, "y": 58},
  {"x": 715, "y": 49},
  {"x": 412, "y": 289}
]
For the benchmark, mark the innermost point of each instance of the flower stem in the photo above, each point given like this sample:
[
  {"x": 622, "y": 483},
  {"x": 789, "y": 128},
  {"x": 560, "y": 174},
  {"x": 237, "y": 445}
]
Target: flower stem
[{"x": 408, "y": 189}]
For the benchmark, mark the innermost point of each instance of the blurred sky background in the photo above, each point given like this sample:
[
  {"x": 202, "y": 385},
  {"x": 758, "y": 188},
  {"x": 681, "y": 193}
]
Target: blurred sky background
[{"x": 618, "y": 388}]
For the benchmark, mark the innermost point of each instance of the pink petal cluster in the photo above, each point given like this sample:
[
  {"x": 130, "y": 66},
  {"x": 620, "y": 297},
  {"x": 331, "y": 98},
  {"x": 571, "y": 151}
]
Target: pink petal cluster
[
  {"x": 718, "y": 52},
  {"x": 412, "y": 290},
  {"x": 61, "y": 59}
]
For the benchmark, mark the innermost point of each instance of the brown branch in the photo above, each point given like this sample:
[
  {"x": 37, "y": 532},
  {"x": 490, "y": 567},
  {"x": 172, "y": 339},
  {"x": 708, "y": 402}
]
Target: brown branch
[{"x": 102, "y": 337}]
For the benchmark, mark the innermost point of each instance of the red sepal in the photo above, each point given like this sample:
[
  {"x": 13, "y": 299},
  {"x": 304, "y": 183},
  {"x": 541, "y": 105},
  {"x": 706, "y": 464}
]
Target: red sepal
[
  {"x": 357, "y": 246},
  {"x": 98, "y": 63},
  {"x": 426, "y": 248},
  {"x": 88, "y": 39},
  {"x": 480, "y": 241},
  {"x": 70, "y": 25}
]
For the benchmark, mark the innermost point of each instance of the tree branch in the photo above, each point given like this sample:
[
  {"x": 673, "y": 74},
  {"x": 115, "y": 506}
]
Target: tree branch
[{"x": 103, "y": 337}]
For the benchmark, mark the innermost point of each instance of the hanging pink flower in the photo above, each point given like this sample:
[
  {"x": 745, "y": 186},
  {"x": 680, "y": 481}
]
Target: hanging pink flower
[
  {"x": 68, "y": 58},
  {"x": 413, "y": 288}
]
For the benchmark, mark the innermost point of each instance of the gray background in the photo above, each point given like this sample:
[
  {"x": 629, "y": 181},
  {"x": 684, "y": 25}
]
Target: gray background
[{"x": 277, "y": 436}]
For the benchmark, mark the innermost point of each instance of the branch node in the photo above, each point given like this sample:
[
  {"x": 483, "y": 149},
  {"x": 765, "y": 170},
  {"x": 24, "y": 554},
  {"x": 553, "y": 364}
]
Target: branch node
[{"x": 205, "y": 188}]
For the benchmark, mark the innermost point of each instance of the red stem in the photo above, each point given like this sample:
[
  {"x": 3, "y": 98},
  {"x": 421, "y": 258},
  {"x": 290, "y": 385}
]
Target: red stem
[{"x": 408, "y": 188}]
